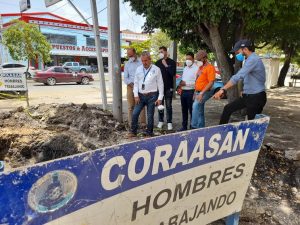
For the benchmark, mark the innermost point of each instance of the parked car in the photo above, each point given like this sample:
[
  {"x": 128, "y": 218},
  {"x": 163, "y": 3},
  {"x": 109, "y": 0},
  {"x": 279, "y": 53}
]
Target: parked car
[
  {"x": 76, "y": 67},
  {"x": 58, "y": 74},
  {"x": 18, "y": 68},
  {"x": 218, "y": 84}
]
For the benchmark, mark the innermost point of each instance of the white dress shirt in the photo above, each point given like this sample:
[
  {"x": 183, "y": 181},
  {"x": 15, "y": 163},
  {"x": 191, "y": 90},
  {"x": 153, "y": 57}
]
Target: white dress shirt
[
  {"x": 189, "y": 75},
  {"x": 153, "y": 81},
  {"x": 130, "y": 69}
]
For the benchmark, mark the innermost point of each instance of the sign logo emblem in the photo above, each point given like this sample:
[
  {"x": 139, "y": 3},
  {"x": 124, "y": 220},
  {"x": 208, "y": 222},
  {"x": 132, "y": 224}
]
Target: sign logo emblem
[{"x": 52, "y": 191}]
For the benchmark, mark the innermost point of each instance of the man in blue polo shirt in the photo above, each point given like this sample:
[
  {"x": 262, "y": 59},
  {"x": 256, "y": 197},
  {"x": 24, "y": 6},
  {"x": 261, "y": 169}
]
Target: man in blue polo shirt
[{"x": 254, "y": 76}]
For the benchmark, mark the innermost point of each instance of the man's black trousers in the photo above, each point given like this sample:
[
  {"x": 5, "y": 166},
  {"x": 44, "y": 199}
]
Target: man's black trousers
[{"x": 254, "y": 103}]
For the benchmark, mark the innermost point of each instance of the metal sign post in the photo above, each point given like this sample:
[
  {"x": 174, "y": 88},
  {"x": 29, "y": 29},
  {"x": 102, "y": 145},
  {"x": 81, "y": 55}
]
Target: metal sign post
[{"x": 193, "y": 177}]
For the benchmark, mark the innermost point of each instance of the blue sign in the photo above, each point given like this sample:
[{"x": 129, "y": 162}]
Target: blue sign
[{"x": 198, "y": 175}]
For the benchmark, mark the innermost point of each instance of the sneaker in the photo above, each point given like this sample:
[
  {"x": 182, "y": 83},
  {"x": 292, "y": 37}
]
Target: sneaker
[
  {"x": 160, "y": 125},
  {"x": 170, "y": 126}
]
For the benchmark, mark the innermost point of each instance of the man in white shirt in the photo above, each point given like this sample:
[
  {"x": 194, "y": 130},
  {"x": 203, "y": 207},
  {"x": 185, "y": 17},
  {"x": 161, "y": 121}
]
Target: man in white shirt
[
  {"x": 129, "y": 73},
  {"x": 148, "y": 91},
  {"x": 187, "y": 85}
]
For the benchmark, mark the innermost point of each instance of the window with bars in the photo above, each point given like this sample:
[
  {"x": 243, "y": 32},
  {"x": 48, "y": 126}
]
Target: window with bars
[
  {"x": 91, "y": 42},
  {"x": 61, "y": 39}
]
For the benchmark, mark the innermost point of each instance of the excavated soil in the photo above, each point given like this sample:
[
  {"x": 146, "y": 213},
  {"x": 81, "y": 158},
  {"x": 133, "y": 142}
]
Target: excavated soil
[{"x": 48, "y": 132}]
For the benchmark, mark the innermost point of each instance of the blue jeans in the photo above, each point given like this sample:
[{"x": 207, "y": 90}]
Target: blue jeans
[
  {"x": 198, "y": 118},
  {"x": 167, "y": 100},
  {"x": 149, "y": 101}
]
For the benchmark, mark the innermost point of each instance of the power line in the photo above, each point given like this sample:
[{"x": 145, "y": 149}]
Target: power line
[
  {"x": 59, "y": 7},
  {"x": 97, "y": 13}
]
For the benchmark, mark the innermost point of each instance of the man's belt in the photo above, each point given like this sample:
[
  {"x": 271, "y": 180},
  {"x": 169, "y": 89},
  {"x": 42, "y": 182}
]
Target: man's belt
[
  {"x": 251, "y": 95},
  {"x": 148, "y": 93}
]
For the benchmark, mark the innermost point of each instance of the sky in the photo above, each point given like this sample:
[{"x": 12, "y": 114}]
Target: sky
[{"x": 128, "y": 19}]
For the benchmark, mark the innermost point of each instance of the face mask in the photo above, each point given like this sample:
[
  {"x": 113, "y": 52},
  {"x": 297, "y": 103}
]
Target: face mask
[
  {"x": 132, "y": 59},
  {"x": 240, "y": 57},
  {"x": 161, "y": 55},
  {"x": 189, "y": 62},
  {"x": 199, "y": 63}
]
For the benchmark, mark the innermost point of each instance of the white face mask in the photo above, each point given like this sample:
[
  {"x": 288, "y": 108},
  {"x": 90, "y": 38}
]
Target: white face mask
[
  {"x": 199, "y": 63},
  {"x": 189, "y": 62},
  {"x": 132, "y": 59},
  {"x": 161, "y": 55}
]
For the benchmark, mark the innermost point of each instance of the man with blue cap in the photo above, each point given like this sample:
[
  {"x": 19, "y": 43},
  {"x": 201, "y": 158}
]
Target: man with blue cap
[{"x": 253, "y": 74}]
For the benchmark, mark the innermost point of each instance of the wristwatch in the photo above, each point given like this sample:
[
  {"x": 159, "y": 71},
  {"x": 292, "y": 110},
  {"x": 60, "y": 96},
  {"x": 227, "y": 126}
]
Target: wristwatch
[{"x": 224, "y": 90}]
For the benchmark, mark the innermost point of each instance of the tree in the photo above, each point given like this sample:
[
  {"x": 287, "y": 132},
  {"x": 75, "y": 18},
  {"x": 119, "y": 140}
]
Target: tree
[
  {"x": 158, "y": 39},
  {"x": 217, "y": 24},
  {"x": 140, "y": 46},
  {"x": 25, "y": 42},
  {"x": 281, "y": 30}
]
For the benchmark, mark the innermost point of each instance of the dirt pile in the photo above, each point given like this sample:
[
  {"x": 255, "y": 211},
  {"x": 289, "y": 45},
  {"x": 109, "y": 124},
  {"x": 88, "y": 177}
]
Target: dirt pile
[
  {"x": 273, "y": 196},
  {"x": 47, "y": 132}
]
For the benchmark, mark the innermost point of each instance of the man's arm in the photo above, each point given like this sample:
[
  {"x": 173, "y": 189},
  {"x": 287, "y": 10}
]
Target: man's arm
[
  {"x": 136, "y": 85},
  {"x": 248, "y": 66},
  {"x": 160, "y": 84},
  {"x": 171, "y": 69},
  {"x": 126, "y": 74}
]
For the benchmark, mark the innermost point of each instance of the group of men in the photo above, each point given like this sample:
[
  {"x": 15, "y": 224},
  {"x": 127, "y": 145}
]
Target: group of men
[{"x": 150, "y": 85}]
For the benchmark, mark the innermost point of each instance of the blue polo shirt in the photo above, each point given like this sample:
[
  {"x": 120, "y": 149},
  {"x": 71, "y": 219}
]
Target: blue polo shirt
[{"x": 253, "y": 74}]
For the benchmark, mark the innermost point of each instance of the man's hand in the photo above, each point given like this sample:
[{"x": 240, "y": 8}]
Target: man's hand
[
  {"x": 164, "y": 62},
  {"x": 130, "y": 85},
  {"x": 182, "y": 83},
  {"x": 219, "y": 94},
  {"x": 158, "y": 102},
  {"x": 199, "y": 97},
  {"x": 137, "y": 100}
]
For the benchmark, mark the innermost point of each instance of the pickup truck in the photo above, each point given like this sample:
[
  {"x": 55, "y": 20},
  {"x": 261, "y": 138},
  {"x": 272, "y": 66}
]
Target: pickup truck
[{"x": 76, "y": 67}]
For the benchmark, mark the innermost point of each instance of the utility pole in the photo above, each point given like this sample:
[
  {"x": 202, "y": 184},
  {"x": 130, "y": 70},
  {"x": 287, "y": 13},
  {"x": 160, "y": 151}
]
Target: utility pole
[
  {"x": 173, "y": 55},
  {"x": 114, "y": 56},
  {"x": 99, "y": 54}
]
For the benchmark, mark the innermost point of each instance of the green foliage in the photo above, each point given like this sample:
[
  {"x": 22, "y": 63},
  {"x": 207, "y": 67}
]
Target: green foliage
[
  {"x": 140, "y": 46},
  {"x": 159, "y": 39},
  {"x": 25, "y": 42}
]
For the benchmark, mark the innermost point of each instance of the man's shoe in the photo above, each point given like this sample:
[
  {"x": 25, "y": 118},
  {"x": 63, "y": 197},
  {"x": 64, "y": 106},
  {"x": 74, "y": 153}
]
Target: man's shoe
[
  {"x": 170, "y": 126},
  {"x": 182, "y": 129},
  {"x": 160, "y": 125}
]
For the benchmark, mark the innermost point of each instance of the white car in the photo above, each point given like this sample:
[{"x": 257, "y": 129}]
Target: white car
[{"x": 18, "y": 68}]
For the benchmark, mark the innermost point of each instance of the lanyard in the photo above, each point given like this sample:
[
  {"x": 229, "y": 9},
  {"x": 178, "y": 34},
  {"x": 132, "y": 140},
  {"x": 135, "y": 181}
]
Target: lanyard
[{"x": 145, "y": 74}]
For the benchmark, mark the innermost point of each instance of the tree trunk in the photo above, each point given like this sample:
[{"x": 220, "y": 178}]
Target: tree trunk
[
  {"x": 289, "y": 50},
  {"x": 223, "y": 63}
]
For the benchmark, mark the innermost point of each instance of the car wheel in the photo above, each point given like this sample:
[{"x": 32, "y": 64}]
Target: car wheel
[
  {"x": 28, "y": 75},
  {"x": 82, "y": 71},
  {"x": 51, "y": 81},
  {"x": 85, "y": 80}
]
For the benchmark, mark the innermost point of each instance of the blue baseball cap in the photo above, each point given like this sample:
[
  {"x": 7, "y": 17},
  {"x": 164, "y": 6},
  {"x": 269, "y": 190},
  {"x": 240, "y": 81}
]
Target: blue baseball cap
[{"x": 241, "y": 44}]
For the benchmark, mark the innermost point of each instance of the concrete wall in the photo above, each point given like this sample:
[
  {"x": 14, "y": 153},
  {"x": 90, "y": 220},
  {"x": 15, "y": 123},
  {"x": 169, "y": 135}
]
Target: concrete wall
[{"x": 272, "y": 71}]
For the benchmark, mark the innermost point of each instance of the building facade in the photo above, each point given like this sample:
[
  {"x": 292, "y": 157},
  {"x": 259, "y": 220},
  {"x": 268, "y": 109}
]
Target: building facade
[{"x": 71, "y": 41}]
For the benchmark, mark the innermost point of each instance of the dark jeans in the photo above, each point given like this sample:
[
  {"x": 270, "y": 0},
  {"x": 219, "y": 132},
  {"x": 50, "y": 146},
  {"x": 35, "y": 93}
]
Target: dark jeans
[
  {"x": 186, "y": 106},
  {"x": 149, "y": 101},
  {"x": 168, "y": 95},
  {"x": 253, "y": 103}
]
